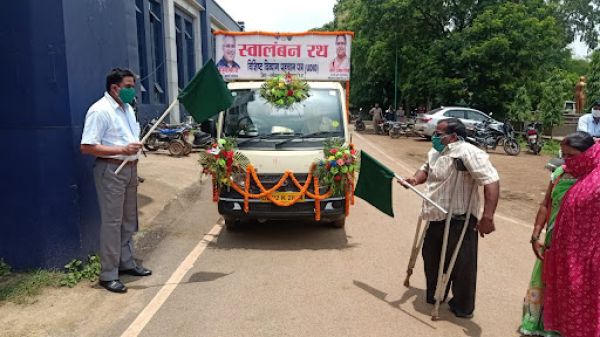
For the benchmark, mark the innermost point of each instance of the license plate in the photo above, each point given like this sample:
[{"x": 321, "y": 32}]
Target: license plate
[
  {"x": 283, "y": 196},
  {"x": 533, "y": 139}
]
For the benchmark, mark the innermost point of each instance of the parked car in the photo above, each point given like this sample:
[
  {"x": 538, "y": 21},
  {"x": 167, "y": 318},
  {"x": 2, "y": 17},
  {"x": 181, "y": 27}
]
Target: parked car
[{"x": 426, "y": 123}]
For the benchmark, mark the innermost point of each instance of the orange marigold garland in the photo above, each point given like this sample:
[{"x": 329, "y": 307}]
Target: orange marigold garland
[{"x": 336, "y": 171}]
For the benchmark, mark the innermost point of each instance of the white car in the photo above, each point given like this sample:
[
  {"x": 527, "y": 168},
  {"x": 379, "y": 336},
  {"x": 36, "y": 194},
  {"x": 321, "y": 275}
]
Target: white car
[{"x": 425, "y": 124}]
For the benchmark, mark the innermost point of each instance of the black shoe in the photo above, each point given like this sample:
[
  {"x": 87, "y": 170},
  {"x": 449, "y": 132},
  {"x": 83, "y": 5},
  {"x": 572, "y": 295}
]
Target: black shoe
[
  {"x": 137, "y": 271},
  {"x": 115, "y": 286},
  {"x": 460, "y": 314}
]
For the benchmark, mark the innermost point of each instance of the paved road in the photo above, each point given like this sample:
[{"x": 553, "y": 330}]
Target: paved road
[{"x": 305, "y": 279}]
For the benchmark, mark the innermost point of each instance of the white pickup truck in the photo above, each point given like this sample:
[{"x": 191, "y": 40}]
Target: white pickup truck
[{"x": 280, "y": 139}]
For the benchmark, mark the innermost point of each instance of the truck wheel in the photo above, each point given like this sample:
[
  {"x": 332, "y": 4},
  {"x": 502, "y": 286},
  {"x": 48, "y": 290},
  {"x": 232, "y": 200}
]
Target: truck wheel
[
  {"x": 232, "y": 224},
  {"x": 339, "y": 223}
]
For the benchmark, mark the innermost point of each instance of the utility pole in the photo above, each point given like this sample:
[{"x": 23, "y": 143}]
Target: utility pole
[{"x": 396, "y": 76}]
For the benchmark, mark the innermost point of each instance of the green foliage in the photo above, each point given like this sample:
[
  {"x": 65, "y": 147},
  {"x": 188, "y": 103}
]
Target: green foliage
[
  {"x": 520, "y": 110},
  {"x": 76, "y": 271},
  {"x": 593, "y": 79},
  {"x": 4, "y": 268},
  {"x": 20, "y": 288},
  {"x": 555, "y": 90},
  {"x": 551, "y": 148},
  {"x": 477, "y": 52}
]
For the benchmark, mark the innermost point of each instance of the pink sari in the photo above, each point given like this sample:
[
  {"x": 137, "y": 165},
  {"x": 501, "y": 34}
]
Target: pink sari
[{"x": 572, "y": 264}]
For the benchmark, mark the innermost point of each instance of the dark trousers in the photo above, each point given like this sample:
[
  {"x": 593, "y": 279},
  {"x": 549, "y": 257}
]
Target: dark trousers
[{"x": 464, "y": 275}]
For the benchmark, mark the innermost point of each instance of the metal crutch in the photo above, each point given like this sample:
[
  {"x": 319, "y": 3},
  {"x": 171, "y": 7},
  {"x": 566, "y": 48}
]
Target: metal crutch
[
  {"x": 443, "y": 278},
  {"x": 417, "y": 243}
]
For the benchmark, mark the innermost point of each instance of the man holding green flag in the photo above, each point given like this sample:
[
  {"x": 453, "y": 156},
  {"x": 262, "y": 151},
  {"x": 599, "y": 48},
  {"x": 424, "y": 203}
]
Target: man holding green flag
[{"x": 203, "y": 97}]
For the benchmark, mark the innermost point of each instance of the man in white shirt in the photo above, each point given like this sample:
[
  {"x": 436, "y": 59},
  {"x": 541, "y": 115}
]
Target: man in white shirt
[
  {"x": 111, "y": 134},
  {"x": 590, "y": 123},
  {"x": 438, "y": 175}
]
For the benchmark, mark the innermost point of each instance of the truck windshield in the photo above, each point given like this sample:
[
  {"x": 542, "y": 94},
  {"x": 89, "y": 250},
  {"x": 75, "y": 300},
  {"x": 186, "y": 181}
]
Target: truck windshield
[{"x": 250, "y": 116}]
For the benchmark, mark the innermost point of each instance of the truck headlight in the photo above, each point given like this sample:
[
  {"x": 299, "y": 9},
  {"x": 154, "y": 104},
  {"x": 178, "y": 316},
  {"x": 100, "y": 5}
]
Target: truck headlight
[{"x": 239, "y": 179}]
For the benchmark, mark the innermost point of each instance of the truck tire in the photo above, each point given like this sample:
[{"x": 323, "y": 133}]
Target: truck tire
[
  {"x": 341, "y": 223},
  {"x": 232, "y": 225}
]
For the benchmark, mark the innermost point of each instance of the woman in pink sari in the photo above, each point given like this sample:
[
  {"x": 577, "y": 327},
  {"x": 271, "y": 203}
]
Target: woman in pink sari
[{"x": 572, "y": 262}]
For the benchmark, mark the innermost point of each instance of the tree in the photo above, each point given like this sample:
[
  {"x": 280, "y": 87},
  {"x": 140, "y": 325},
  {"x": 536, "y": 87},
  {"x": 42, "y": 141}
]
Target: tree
[
  {"x": 593, "y": 78},
  {"x": 555, "y": 90},
  {"x": 475, "y": 51},
  {"x": 520, "y": 110}
]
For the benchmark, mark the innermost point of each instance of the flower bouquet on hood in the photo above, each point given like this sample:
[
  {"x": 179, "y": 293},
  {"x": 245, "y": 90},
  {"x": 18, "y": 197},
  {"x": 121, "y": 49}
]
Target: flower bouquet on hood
[
  {"x": 284, "y": 90},
  {"x": 337, "y": 169},
  {"x": 222, "y": 161}
]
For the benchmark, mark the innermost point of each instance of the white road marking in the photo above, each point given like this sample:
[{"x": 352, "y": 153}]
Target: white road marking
[
  {"x": 409, "y": 170},
  {"x": 163, "y": 294}
]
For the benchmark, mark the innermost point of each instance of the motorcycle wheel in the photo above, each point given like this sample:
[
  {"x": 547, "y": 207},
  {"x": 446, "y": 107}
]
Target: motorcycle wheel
[
  {"x": 150, "y": 144},
  {"x": 188, "y": 149},
  {"x": 511, "y": 147},
  {"x": 176, "y": 148},
  {"x": 360, "y": 127},
  {"x": 394, "y": 134}
]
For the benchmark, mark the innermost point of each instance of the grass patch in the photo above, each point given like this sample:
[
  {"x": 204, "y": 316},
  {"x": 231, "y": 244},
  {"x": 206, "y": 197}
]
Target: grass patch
[
  {"x": 21, "y": 288},
  {"x": 551, "y": 148}
]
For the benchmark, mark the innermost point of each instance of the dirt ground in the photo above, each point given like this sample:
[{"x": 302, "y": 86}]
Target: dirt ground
[
  {"x": 170, "y": 185},
  {"x": 523, "y": 179},
  {"x": 171, "y": 182}
]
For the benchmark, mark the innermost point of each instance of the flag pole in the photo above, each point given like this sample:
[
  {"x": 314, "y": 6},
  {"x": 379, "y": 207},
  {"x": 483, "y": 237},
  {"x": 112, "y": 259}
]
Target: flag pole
[
  {"x": 411, "y": 187},
  {"x": 164, "y": 115}
]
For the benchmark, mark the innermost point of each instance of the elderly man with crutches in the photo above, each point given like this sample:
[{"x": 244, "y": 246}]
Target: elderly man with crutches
[{"x": 452, "y": 173}]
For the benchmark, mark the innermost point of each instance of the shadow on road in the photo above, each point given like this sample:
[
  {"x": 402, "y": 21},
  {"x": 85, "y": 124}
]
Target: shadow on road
[
  {"x": 283, "y": 235},
  {"x": 469, "y": 327}
]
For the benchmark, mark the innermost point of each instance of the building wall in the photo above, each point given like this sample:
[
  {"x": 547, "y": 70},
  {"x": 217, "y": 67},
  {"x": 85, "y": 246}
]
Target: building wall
[{"x": 56, "y": 55}]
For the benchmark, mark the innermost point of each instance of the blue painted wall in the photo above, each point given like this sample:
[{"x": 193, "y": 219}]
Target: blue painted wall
[{"x": 55, "y": 56}]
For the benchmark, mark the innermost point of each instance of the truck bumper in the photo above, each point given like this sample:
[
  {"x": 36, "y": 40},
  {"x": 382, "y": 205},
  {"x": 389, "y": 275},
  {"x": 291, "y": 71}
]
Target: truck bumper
[{"x": 332, "y": 209}]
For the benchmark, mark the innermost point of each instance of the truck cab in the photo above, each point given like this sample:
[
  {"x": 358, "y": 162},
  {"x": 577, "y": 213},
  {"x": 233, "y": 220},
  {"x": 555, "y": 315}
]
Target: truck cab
[{"x": 277, "y": 140}]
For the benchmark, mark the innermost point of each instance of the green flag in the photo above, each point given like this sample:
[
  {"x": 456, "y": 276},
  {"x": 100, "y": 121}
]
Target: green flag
[
  {"x": 375, "y": 184},
  {"x": 206, "y": 95}
]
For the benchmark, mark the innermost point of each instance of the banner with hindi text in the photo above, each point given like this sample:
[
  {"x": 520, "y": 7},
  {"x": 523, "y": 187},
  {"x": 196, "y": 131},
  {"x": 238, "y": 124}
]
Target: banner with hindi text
[{"x": 323, "y": 56}]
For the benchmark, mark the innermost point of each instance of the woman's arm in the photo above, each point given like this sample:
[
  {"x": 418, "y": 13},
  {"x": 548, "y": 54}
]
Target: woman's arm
[{"x": 540, "y": 221}]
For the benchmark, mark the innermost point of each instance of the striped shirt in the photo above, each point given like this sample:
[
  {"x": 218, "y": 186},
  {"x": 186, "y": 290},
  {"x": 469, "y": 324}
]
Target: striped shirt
[{"x": 441, "y": 174}]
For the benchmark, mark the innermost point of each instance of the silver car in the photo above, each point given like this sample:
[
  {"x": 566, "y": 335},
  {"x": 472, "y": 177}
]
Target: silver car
[{"x": 426, "y": 123}]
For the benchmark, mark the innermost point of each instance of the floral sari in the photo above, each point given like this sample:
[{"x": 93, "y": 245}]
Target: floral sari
[
  {"x": 532, "y": 323},
  {"x": 572, "y": 263}
]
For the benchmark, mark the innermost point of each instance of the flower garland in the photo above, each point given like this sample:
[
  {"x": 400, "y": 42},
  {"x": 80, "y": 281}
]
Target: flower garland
[
  {"x": 222, "y": 161},
  {"x": 338, "y": 167},
  {"x": 284, "y": 90}
]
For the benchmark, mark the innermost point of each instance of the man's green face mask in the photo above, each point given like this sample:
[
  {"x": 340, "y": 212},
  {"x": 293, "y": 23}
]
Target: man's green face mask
[{"x": 127, "y": 95}]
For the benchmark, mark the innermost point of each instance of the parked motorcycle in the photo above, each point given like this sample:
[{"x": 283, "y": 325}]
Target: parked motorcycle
[
  {"x": 402, "y": 128},
  {"x": 201, "y": 139},
  {"x": 385, "y": 126},
  {"x": 534, "y": 143},
  {"x": 165, "y": 137},
  {"x": 489, "y": 135},
  {"x": 359, "y": 125}
]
